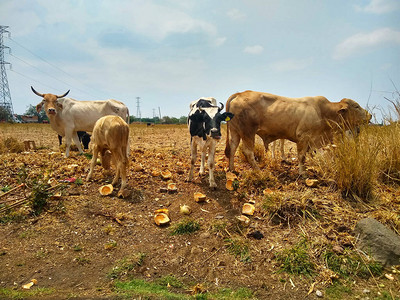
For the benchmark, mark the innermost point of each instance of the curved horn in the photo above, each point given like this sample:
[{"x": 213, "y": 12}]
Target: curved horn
[
  {"x": 39, "y": 94},
  {"x": 63, "y": 95},
  {"x": 222, "y": 107}
]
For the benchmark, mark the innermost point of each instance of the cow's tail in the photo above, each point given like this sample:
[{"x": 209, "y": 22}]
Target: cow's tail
[
  {"x": 127, "y": 116},
  {"x": 227, "y": 144}
]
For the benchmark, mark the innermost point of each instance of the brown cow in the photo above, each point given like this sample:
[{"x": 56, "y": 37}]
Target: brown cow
[
  {"x": 111, "y": 134},
  {"x": 310, "y": 122}
]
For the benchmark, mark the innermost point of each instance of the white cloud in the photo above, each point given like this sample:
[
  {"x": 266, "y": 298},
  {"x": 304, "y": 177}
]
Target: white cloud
[
  {"x": 363, "y": 41},
  {"x": 380, "y": 6},
  {"x": 220, "y": 41},
  {"x": 256, "y": 49},
  {"x": 236, "y": 14},
  {"x": 290, "y": 65}
]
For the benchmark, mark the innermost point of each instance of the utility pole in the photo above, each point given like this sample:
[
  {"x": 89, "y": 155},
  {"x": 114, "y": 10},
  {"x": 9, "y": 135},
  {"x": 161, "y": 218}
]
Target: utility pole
[
  {"x": 138, "y": 113},
  {"x": 5, "y": 96}
]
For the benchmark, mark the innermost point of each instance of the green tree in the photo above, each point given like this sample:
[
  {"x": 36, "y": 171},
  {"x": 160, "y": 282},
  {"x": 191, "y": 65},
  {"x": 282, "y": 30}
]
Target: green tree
[
  {"x": 183, "y": 120},
  {"x": 31, "y": 111},
  {"x": 5, "y": 114}
]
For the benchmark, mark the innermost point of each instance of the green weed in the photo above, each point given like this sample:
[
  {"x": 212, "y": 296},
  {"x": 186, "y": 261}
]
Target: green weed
[
  {"x": 125, "y": 266},
  {"x": 296, "y": 260},
  {"x": 186, "y": 226},
  {"x": 238, "y": 248},
  {"x": 6, "y": 293},
  {"x": 352, "y": 264}
]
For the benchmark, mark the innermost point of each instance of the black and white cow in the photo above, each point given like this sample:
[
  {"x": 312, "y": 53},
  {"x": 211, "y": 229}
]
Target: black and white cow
[
  {"x": 83, "y": 136},
  {"x": 204, "y": 124}
]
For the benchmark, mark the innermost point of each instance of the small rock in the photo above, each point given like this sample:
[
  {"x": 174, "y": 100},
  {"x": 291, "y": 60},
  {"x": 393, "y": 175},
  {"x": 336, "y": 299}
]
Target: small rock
[
  {"x": 205, "y": 235},
  {"x": 318, "y": 293},
  {"x": 256, "y": 235},
  {"x": 366, "y": 291},
  {"x": 338, "y": 249}
]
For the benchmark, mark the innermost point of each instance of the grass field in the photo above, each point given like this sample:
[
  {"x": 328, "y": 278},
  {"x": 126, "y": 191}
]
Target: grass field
[{"x": 84, "y": 245}]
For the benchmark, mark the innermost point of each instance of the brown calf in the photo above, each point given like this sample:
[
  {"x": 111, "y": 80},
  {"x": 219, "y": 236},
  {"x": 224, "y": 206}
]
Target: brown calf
[{"x": 111, "y": 134}]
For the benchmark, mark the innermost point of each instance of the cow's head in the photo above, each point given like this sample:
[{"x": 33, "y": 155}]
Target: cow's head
[
  {"x": 353, "y": 114},
  {"x": 205, "y": 119},
  {"x": 50, "y": 102}
]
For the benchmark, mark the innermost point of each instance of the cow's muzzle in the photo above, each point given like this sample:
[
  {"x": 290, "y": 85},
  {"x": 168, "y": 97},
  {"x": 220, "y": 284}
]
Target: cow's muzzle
[
  {"x": 215, "y": 134},
  {"x": 51, "y": 111}
]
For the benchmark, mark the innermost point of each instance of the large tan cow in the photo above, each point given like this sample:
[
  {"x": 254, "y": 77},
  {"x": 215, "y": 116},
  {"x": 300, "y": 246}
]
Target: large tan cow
[
  {"x": 67, "y": 116},
  {"x": 310, "y": 122},
  {"x": 111, "y": 133}
]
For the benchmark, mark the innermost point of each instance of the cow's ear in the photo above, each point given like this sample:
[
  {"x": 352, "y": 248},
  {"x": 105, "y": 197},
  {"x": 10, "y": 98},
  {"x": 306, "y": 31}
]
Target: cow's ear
[
  {"x": 59, "y": 105},
  {"x": 227, "y": 116},
  {"x": 39, "y": 107},
  {"x": 344, "y": 107}
]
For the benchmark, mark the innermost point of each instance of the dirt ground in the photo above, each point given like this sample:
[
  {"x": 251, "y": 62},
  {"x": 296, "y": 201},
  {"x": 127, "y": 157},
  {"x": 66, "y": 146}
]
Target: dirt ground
[{"x": 73, "y": 246}]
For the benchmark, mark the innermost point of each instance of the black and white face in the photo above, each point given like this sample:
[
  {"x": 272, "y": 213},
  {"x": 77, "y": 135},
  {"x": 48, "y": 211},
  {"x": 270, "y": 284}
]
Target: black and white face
[{"x": 206, "y": 121}]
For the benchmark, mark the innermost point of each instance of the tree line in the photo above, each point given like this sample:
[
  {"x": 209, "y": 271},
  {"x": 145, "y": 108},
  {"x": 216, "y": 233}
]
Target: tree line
[{"x": 5, "y": 116}]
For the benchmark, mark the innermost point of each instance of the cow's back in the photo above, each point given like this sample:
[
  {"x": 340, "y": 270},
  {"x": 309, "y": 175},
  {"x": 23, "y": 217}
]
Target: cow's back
[
  {"x": 82, "y": 115},
  {"x": 275, "y": 116},
  {"x": 110, "y": 131}
]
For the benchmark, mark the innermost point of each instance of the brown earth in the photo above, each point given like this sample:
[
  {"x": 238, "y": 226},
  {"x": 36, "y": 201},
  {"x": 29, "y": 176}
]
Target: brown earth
[{"x": 74, "y": 244}]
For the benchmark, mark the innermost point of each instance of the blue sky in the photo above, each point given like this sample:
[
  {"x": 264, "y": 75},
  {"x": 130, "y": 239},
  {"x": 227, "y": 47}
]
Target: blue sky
[{"x": 172, "y": 52}]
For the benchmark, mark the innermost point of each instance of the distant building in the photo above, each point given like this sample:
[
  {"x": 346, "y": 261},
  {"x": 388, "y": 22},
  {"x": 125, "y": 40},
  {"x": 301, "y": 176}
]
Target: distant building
[{"x": 30, "y": 119}]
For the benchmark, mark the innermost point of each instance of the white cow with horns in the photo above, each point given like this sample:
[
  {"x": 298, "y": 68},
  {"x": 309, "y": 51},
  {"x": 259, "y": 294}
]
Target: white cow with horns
[{"x": 67, "y": 116}]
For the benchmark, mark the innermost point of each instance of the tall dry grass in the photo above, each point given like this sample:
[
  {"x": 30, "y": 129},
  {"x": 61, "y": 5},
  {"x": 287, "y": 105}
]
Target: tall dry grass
[{"x": 358, "y": 165}]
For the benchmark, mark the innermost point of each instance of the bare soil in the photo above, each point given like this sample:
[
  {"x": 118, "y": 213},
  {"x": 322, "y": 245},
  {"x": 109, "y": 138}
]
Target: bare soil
[{"x": 74, "y": 244}]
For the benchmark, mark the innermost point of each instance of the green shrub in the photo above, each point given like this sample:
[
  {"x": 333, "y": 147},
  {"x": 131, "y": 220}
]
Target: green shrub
[{"x": 296, "y": 260}]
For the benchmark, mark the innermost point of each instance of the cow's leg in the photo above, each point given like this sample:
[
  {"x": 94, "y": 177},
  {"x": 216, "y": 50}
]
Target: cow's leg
[
  {"x": 193, "y": 155},
  {"x": 93, "y": 162},
  {"x": 233, "y": 145},
  {"x": 211, "y": 164},
  {"x": 282, "y": 148},
  {"x": 248, "y": 151},
  {"x": 203, "y": 158},
  {"x": 302, "y": 148},
  {"x": 117, "y": 164},
  {"x": 77, "y": 141},
  {"x": 122, "y": 164},
  {"x": 68, "y": 136},
  {"x": 267, "y": 141}
]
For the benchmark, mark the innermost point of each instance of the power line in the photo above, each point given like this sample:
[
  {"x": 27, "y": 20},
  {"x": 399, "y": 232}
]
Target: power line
[
  {"x": 50, "y": 75},
  {"x": 54, "y": 66}
]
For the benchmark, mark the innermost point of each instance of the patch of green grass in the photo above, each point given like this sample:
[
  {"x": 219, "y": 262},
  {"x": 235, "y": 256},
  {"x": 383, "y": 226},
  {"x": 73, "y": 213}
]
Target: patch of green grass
[
  {"x": 5, "y": 188},
  {"x": 386, "y": 296},
  {"x": 338, "y": 291},
  {"x": 6, "y": 293},
  {"x": 77, "y": 248},
  {"x": 296, "y": 260},
  {"x": 352, "y": 264},
  {"x": 110, "y": 245},
  {"x": 88, "y": 155},
  {"x": 159, "y": 290},
  {"x": 39, "y": 196},
  {"x": 238, "y": 248},
  {"x": 126, "y": 265},
  {"x": 227, "y": 293},
  {"x": 186, "y": 226},
  {"x": 170, "y": 280},
  {"x": 82, "y": 260},
  {"x": 12, "y": 216},
  {"x": 149, "y": 290}
]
